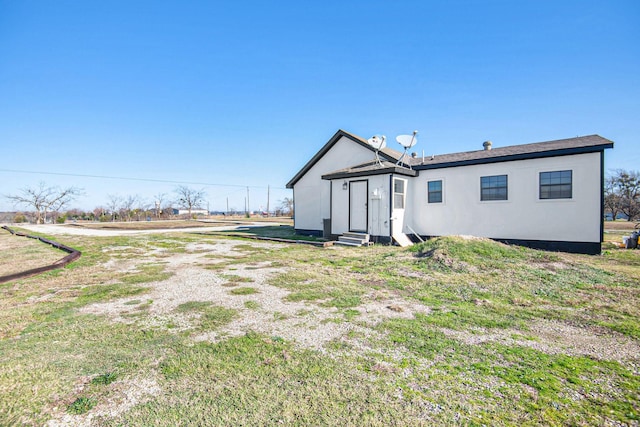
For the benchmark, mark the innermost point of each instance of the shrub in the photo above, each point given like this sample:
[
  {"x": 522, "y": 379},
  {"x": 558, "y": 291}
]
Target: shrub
[
  {"x": 105, "y": 379},
  {"x": 81, "y": 405}
]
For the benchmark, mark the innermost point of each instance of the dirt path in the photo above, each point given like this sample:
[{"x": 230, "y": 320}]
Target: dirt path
[{"x": 62, "y": 229}]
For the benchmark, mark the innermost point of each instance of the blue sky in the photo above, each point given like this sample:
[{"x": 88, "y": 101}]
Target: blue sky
[{"x": 242, "y": 93}]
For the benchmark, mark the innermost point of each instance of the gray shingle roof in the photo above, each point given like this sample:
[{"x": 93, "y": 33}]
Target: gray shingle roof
[
  {"x": 584, "y": 144},
  {"x": 560, "y": 147}
]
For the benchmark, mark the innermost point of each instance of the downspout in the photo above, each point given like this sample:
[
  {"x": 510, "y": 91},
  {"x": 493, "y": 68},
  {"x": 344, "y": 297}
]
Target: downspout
[
  {"x": 331, "y": 200},
  {"x": 330, "y": 210},
  {"x": 294, "y": 206},
  {"x": 391, "y": 196},
  {"x": 602, "y": 198}
]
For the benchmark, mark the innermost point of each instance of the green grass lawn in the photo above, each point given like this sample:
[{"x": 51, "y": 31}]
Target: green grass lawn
[{"x": 474, "y": 333}]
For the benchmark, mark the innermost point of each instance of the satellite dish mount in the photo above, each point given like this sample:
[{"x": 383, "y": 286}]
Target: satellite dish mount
[
  {"x": 378, "y": 142},
  {"x": 407, "y": 141}
]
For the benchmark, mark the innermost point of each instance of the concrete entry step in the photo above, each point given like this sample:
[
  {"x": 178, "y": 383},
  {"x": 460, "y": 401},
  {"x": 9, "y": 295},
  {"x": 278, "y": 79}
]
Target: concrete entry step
[{"x": 353, "y": 239}]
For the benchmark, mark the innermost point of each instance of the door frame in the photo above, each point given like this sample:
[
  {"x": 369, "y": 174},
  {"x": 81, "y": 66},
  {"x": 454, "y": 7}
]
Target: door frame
[{"x": 366, "y": 206}]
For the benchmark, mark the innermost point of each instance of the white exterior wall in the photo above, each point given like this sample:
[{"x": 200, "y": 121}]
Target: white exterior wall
[
  {"x": 311, "y": 193},
  {"x": 523, "y": 216},
  {"x": 377, "y": 202}
]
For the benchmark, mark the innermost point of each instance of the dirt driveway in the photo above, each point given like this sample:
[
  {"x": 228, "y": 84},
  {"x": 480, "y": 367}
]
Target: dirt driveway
[{"x": 61, "y": 229}]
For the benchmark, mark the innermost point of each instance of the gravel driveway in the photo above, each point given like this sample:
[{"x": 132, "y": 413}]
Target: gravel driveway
[{"x": 61, "y": 229}]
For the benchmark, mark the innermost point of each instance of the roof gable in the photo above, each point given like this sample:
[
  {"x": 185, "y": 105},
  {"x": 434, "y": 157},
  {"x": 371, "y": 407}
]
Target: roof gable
[{"x": 387, "y": 153}]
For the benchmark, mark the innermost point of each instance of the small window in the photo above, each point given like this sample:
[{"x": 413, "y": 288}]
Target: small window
[
  {"x": 556, "y": 185},
  {"x": 398, "y": 194},
  {"x": 434, "y": 191},
  {"x": 493, "y": 187}
]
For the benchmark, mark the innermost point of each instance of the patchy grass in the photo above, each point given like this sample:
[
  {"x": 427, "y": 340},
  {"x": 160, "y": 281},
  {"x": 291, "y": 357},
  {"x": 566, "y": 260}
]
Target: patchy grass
[
  {"x": 105, "y": 379},
  {"x": 193, "y": 306},
  {"x": 81, "y": 405},
  {"x": 214, "y": 317},
  {"x": 404, "y": 368},
  {"x": 252, "y": 305},
  {"x": 209, "y": 316},
  {"x": 245, "y": 290},
  {"x": 234, "y": 278}
]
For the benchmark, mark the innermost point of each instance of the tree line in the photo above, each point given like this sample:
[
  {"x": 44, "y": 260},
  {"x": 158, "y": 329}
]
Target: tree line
[
  {"x": 50, "y": 204},
  {"x": 622, "y": 195}
]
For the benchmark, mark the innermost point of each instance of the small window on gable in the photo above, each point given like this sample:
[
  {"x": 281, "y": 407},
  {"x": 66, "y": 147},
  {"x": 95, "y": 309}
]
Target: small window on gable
[
  {"x": 493, "y": 187},
  {"x": 398, "y": 194},
  {"x": 556, "y": 185},
  {"x": 434, "y": 191}
]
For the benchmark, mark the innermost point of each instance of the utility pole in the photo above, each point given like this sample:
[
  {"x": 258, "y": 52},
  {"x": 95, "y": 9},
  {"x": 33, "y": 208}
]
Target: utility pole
[
  {"x": 268, "y": 188},
  {"x": 248, "y": 203},
  {"x": 227, "y": 205}
]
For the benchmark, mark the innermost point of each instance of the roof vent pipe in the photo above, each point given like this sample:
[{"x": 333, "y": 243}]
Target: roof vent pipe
[{"x": 487, "y": 145}]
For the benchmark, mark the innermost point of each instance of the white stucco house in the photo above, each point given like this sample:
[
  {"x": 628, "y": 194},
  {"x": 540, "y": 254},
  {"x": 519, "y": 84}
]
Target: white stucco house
[{"x": 546, "y": 195}]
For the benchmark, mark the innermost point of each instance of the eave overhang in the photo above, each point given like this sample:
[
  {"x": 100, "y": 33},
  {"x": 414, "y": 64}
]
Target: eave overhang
[
  {"x": 370, "y": 169},
  {"x": 514, "y": 157}
]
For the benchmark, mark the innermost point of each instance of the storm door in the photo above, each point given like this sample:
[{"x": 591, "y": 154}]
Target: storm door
[{"x": 358, "y": 214}]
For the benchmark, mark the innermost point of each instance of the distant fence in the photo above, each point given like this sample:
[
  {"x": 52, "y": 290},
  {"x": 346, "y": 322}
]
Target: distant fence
[{"x": 74, "y": 254}]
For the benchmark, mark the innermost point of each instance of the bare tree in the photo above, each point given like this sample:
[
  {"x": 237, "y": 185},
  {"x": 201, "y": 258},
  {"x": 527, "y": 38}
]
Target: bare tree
[
  {"x": 126, "y": 208},
  {"x": 45, "y": 199},
  {"x": 98, "y": 213},
  {"x": 622, "y": 193},
  {"x": 141, "y": 208},
  {"x": 612, "y": 199},
  {"x": 113, "y": 205},
  {"x": 159, "y": 203},
  {"x": 189, "y": 198},
  {"x": 286, "y": 206}
]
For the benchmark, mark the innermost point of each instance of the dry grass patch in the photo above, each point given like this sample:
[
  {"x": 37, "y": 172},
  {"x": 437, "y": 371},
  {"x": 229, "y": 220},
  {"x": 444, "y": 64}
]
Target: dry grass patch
[{"x": 19, "y": 253}]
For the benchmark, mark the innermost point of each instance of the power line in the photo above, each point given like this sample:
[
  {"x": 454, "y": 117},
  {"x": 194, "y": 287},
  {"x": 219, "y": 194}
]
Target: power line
[{"x": 137, "y": 179}]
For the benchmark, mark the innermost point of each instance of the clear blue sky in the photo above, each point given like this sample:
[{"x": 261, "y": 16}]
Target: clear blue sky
[{"x": 244, "y": 93}]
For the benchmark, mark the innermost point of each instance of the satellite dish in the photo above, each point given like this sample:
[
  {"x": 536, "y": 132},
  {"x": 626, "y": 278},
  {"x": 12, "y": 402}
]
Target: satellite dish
[
  {"x": 407, "y": 141},
  {"x": 378, "y": 142}
]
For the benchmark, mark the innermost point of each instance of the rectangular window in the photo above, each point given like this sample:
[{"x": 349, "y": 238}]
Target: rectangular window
[
  {"x": 434, "y": 191},
  {"x": 556, "y": 185},
  {"x": 493, "y": 187},
  {"x": 398, "y": 194}
]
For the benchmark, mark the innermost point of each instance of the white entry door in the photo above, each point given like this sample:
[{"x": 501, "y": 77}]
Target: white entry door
[{"x": 358, "y": 206}]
